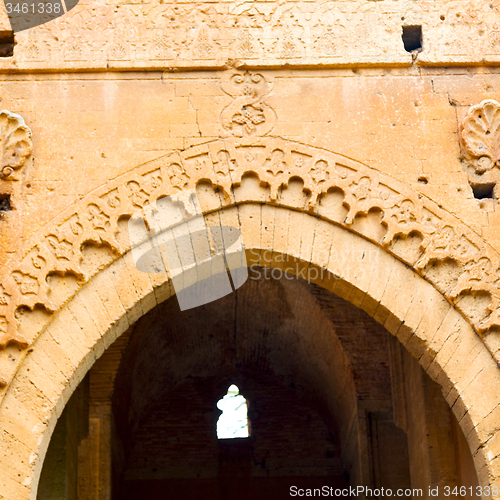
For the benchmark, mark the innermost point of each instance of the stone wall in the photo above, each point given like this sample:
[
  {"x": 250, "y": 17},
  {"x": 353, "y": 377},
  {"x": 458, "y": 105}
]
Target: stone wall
[
  {"x": 127, "y": 35},
  {"x": 308, "y": 126},
  {"x": 89, "y": 128}
]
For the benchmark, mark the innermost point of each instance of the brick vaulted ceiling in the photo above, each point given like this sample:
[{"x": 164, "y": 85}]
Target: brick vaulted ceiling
[{"x": 277, "y": 332}]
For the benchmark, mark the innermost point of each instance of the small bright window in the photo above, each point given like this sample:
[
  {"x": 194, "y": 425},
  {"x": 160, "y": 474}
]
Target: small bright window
[{"x": 233, "y": 423}]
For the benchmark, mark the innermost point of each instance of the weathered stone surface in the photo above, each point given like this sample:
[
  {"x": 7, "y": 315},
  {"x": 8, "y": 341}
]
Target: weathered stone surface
[
  {"x": 342, "y": 158},
  {"x": 105, "y": 35}
]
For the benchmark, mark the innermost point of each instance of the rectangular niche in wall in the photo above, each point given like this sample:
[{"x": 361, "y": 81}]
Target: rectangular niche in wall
[
  {"x": 5, "y": 205},
  {"x": 412, "y": 38},
  {"x": 7, "y": 43}
]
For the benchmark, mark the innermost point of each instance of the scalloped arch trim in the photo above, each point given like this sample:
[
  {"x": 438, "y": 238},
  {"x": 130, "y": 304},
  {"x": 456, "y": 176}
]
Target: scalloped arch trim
[{"x": 270, "y": 170}]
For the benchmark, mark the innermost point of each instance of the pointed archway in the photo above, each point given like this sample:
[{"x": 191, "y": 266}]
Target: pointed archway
[{"x": 73, "y": 288}]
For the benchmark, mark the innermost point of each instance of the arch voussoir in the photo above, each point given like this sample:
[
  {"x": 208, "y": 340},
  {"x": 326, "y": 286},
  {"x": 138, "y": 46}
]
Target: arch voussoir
[
  {"x": 379, "y": 281},
  {"x": 428, "y": 320},
  {"x": 132, "y": 287}
]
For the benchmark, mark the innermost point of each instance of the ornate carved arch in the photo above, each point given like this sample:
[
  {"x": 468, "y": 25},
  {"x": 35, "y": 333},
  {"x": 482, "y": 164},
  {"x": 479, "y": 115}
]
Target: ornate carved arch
[
  {"x": 438, "y": 246},
  {"x": 268, "y": 187}
]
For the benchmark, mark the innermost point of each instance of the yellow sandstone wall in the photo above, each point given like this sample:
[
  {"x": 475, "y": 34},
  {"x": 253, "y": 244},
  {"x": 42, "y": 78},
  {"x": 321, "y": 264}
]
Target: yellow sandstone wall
[{"x": 108, "y": 87}]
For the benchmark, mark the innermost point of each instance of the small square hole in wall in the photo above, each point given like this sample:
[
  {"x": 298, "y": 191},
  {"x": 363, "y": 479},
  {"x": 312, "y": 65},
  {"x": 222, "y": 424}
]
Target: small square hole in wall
[
  {"x": 5, "y": 205},
  {"x": 412, "y": 38},
  {"x": 7, "y": 44},
  {"x": 483, "y": 191}
]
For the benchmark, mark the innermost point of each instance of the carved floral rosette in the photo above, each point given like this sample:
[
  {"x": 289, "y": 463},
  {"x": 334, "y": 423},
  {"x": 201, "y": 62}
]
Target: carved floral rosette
[
  {"x": 15, "y": 144},
  {"x": 480, "y": 140},
  {"x": 392, "y": 215}
]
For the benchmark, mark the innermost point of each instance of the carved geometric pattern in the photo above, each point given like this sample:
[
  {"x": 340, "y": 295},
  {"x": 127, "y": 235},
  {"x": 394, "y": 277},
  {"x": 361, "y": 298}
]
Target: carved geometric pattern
[
  {"x": 15, "y": 144},
  {"x": 274, "y": 32},
  {"x": 347, "y": 193}
]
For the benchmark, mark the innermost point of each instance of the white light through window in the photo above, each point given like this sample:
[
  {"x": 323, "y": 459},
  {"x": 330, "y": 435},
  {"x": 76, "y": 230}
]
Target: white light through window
[{"x": 233, "y": 423}]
